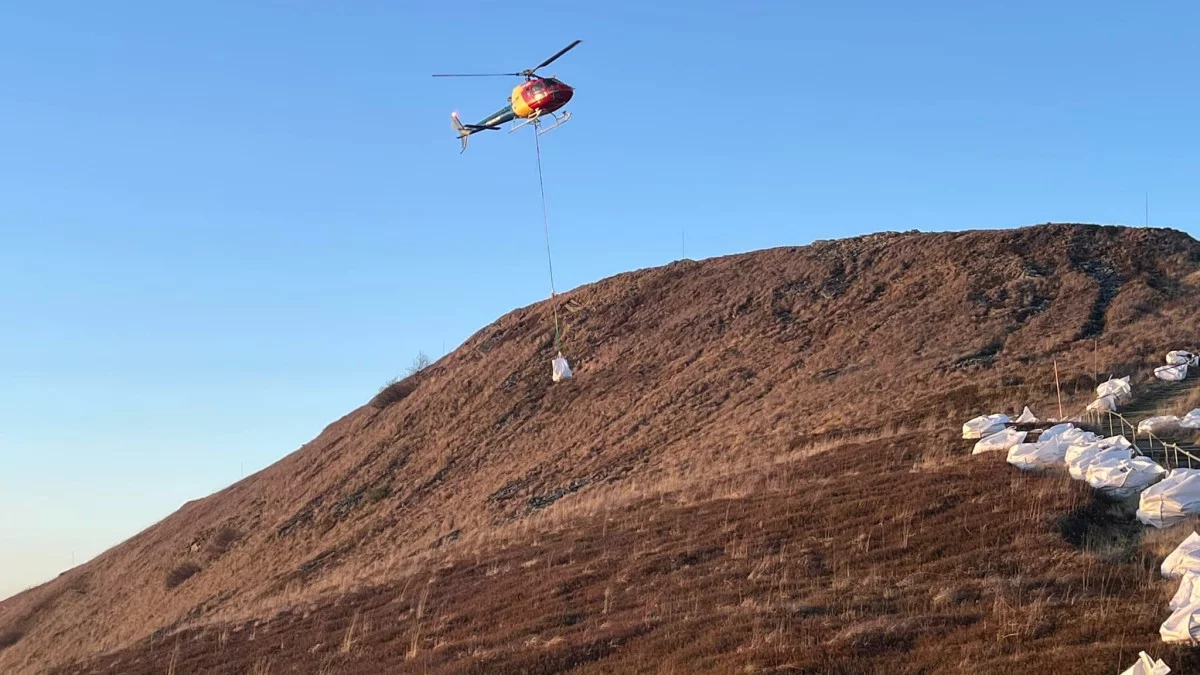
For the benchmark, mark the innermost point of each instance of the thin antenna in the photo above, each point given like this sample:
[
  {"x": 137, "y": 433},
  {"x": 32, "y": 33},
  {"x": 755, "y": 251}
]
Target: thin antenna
[
  {"x": 683, "y": 243},
  {"x": 1147, "y": 209}
]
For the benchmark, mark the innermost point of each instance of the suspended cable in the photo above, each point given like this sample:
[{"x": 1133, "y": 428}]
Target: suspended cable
[{"x": 546, "y": 228}]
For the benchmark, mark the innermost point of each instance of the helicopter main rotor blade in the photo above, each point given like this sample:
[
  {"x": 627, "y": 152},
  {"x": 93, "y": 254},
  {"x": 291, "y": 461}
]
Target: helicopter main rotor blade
[
  {"x": 550, "y": 60},
  {"x": 479, "y": 75}
]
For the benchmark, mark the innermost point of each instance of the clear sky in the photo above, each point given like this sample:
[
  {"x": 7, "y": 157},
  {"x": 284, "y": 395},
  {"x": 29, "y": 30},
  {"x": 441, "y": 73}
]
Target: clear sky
[{"x": 224, "y": 224}]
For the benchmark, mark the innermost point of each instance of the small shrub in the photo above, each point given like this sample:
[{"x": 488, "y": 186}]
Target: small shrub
[
  {"x": 10, "y": 637},
  {"x": 396, "y": 389},
  {"x": 393, "y": 392},
  {"x": 181, "y": 574},
  {"x": 377, "y": 494},
  {"x": 223, "y": 541},
  {"x": 421, "y": 362}
]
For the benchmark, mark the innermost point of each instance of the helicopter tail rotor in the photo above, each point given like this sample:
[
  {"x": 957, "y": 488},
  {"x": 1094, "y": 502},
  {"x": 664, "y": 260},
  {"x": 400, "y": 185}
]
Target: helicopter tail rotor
[{"x": 462, "y": 131}]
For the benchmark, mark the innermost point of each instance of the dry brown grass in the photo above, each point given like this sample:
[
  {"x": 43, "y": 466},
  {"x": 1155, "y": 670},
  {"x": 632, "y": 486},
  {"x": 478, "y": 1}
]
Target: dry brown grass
[
  {"x": 1159, "y": 543},
  {"x": 853, "y": 573},
  {"x": 720, "y": 410},
  {"x": 1180, "y": 406}
]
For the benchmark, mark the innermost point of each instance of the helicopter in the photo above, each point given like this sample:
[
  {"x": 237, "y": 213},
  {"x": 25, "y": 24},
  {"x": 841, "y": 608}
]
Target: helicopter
[{"x": 529, "y": 101}]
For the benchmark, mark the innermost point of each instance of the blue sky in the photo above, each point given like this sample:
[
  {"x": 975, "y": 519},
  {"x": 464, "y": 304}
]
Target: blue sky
[{"x": 224, "y": 225}]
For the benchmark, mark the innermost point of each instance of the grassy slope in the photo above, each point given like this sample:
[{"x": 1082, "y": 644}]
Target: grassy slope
[
  {"x": 896, "y": 560},
  {"x": 700, "y": 386}
]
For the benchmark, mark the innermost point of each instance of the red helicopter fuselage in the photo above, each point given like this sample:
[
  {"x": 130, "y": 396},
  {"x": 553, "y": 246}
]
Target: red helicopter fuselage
[
  {"x": 529, "y": 101},
  {"x": 539, "y": 96}
]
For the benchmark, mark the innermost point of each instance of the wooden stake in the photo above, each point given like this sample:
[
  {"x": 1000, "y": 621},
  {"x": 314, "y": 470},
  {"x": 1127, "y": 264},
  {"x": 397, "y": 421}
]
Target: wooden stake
[{"x": 1058, "y": 389}]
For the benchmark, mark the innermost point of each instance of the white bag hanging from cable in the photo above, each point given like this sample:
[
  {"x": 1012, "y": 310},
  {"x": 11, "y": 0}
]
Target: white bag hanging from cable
[{"x": 561, "y": 369}]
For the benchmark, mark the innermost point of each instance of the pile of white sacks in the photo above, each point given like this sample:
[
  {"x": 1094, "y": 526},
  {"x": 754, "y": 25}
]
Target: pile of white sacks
[
  {"x": 1111, "y": 394},
  {"x": 1110, "y": 465},
  {"x": 1113, "y": 467},
  {"x": 1177, "y": 366},
  {"x": 1183, "y": 626},
  {"x": 1161, "y": 425}
]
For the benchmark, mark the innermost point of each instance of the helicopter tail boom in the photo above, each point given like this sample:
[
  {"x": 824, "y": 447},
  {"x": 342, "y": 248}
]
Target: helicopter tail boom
[{"x": 465, "y": 130}]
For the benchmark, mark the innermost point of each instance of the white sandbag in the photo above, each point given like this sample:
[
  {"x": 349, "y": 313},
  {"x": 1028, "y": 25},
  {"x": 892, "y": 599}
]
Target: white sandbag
[
  {"x": 1148, "y": 666},
  {"x": 1159, "y": 425},
  {"x": 1000, "y": 441},
  {"x": 1171, "y": 373},
  {"x": 1055, "y": 431},
  {"x": 1182, "y": 358},
  {"x": 1075, "y": 435},
  {"x": 1084, "y": 446},
  {"x": 1027, "y": 417},
  {"x": 1108, "y": 403},
  {"x": 1191, "y": 420},
  {"x": 984, "y": 425},
  {"x": 561, "y": 370},
  {"x": 1089, "y": 455},
  {"x": 1183, "y": 626},
  {"x": 1041, "y": 455},
  {"x": 1122, "y": 477},
  {"x": 1188, "y": 592},
  {"x": 1185, "y": 558},
  {"x": 1119, "y": 442},
  {"x": 1078, "y": 455},
  {"x": 1118, "y": 388},
  {"x": 1171, "y": 500}
]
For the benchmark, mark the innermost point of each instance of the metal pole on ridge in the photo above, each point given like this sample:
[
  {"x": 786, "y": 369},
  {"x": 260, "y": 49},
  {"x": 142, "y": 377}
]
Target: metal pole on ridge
[{"x": 1058, "y": 389}]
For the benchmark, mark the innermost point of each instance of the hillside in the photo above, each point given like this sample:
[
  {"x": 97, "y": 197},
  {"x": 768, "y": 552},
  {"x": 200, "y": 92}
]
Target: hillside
[{"x": 751, "y": 468}]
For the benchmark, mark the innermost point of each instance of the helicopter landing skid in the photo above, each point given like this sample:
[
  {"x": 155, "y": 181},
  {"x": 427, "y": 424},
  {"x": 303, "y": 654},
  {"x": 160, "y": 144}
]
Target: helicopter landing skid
[{"x": 536, "y": 121}]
